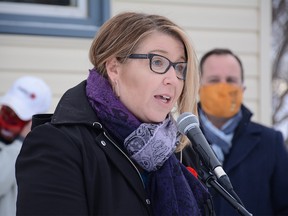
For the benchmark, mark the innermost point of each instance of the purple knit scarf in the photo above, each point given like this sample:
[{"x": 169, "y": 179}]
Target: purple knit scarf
[{"x": 173, "y": 190}]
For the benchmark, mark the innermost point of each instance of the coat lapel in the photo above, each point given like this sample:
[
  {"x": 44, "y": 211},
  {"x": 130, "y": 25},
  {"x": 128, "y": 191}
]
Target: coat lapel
[{"x": 242, "y": 146}]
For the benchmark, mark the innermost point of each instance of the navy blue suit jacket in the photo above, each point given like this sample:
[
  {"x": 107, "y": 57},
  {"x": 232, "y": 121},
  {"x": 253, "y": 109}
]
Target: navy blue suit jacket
[{"x": 257, "y": 166}]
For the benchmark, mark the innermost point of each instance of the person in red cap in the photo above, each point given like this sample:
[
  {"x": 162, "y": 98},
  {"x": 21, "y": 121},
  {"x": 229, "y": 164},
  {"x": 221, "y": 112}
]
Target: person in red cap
[{"x": 27, "y": 96}]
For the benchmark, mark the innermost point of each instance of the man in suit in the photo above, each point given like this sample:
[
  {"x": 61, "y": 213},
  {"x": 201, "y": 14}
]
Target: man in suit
[{"x": 253, "y": 156}]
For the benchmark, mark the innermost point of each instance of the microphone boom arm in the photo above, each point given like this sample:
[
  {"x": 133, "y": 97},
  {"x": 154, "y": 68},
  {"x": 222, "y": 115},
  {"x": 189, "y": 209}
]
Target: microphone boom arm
[{"x": 209, "y": 179}]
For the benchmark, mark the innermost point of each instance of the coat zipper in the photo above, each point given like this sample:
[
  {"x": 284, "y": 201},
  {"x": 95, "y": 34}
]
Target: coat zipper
[{"x": 126, "y": 157}]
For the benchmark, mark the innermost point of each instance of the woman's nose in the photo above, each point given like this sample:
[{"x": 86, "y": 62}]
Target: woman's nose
[{"x": 171, "y": 76}]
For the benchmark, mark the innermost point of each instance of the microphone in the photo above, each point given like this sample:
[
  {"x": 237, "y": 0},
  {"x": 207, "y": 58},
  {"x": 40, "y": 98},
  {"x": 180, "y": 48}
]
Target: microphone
[{"x": 188, "y": 125}]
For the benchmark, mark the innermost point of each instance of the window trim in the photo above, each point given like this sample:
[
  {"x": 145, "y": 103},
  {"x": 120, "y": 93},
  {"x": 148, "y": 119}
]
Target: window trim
[{"x": 98, "y": 13}]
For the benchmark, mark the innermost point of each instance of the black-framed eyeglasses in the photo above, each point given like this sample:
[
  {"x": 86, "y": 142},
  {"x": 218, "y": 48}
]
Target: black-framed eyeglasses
[{"x": 160, "y": 64}]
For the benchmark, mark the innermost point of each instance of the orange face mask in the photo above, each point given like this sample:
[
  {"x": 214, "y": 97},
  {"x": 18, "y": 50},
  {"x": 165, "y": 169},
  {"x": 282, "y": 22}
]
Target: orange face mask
[{"x": 221, "y": 100}]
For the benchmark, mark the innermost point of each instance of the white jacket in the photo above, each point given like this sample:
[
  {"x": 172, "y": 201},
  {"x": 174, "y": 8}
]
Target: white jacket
[{"x": 8, "y": 186}]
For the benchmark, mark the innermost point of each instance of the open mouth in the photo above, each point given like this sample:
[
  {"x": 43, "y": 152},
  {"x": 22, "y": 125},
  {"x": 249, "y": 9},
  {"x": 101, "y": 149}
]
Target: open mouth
[{"x": 163, "y": 98}]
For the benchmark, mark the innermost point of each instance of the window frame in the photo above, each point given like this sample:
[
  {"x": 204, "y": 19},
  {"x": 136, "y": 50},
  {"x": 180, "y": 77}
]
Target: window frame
[{"x": 98, "y": 12}]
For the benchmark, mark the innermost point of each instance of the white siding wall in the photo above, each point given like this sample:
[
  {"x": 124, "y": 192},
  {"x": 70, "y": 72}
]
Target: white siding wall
[
  {"x": 243, "y": 26},
  {"x": 61, "y": 62}
]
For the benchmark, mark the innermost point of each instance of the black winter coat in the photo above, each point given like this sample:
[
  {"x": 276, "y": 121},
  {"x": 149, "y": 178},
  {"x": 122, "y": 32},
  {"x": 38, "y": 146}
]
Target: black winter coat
[{"x": 99, "y": 178}]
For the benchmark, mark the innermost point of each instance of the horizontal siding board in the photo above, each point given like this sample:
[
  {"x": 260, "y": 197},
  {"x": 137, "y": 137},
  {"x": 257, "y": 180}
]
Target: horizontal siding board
[
  {"x": 45, "y": 42},
  {"x": 38, "y": 58},
  {"x": 250, "y": 65},
  {"x": 225, "y": 3},
  {"x": 58, "y": 83},
  {"x": 249, "y": 62},
  {"x": 233, "y": 18},
  {"x": 64, "y": 82},
  {"x": 252, "y": 89},
  {"x": 242, "y": 42}
]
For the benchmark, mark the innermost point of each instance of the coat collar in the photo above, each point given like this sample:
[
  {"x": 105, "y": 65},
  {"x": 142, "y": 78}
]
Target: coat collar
[{"x": 74, "y": 107}]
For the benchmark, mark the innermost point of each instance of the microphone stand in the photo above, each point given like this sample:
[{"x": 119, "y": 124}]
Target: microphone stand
[{"x": 210, "y": 180}]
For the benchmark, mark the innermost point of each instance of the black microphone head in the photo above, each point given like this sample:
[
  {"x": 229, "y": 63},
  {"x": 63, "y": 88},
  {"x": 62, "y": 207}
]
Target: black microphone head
[{"x": 186, "y": 121}]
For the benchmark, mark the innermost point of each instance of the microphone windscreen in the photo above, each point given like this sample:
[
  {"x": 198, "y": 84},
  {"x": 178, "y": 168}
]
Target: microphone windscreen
[{"x": 186, "y": 121}]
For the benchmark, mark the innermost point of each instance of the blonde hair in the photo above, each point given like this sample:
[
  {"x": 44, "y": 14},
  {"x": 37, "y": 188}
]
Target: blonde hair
[{"x": 121, "y": 35}]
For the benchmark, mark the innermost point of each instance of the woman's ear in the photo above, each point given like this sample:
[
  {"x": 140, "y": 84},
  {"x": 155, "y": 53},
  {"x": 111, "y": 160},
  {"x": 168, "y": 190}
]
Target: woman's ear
[{"x": 112, "y": 68}]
